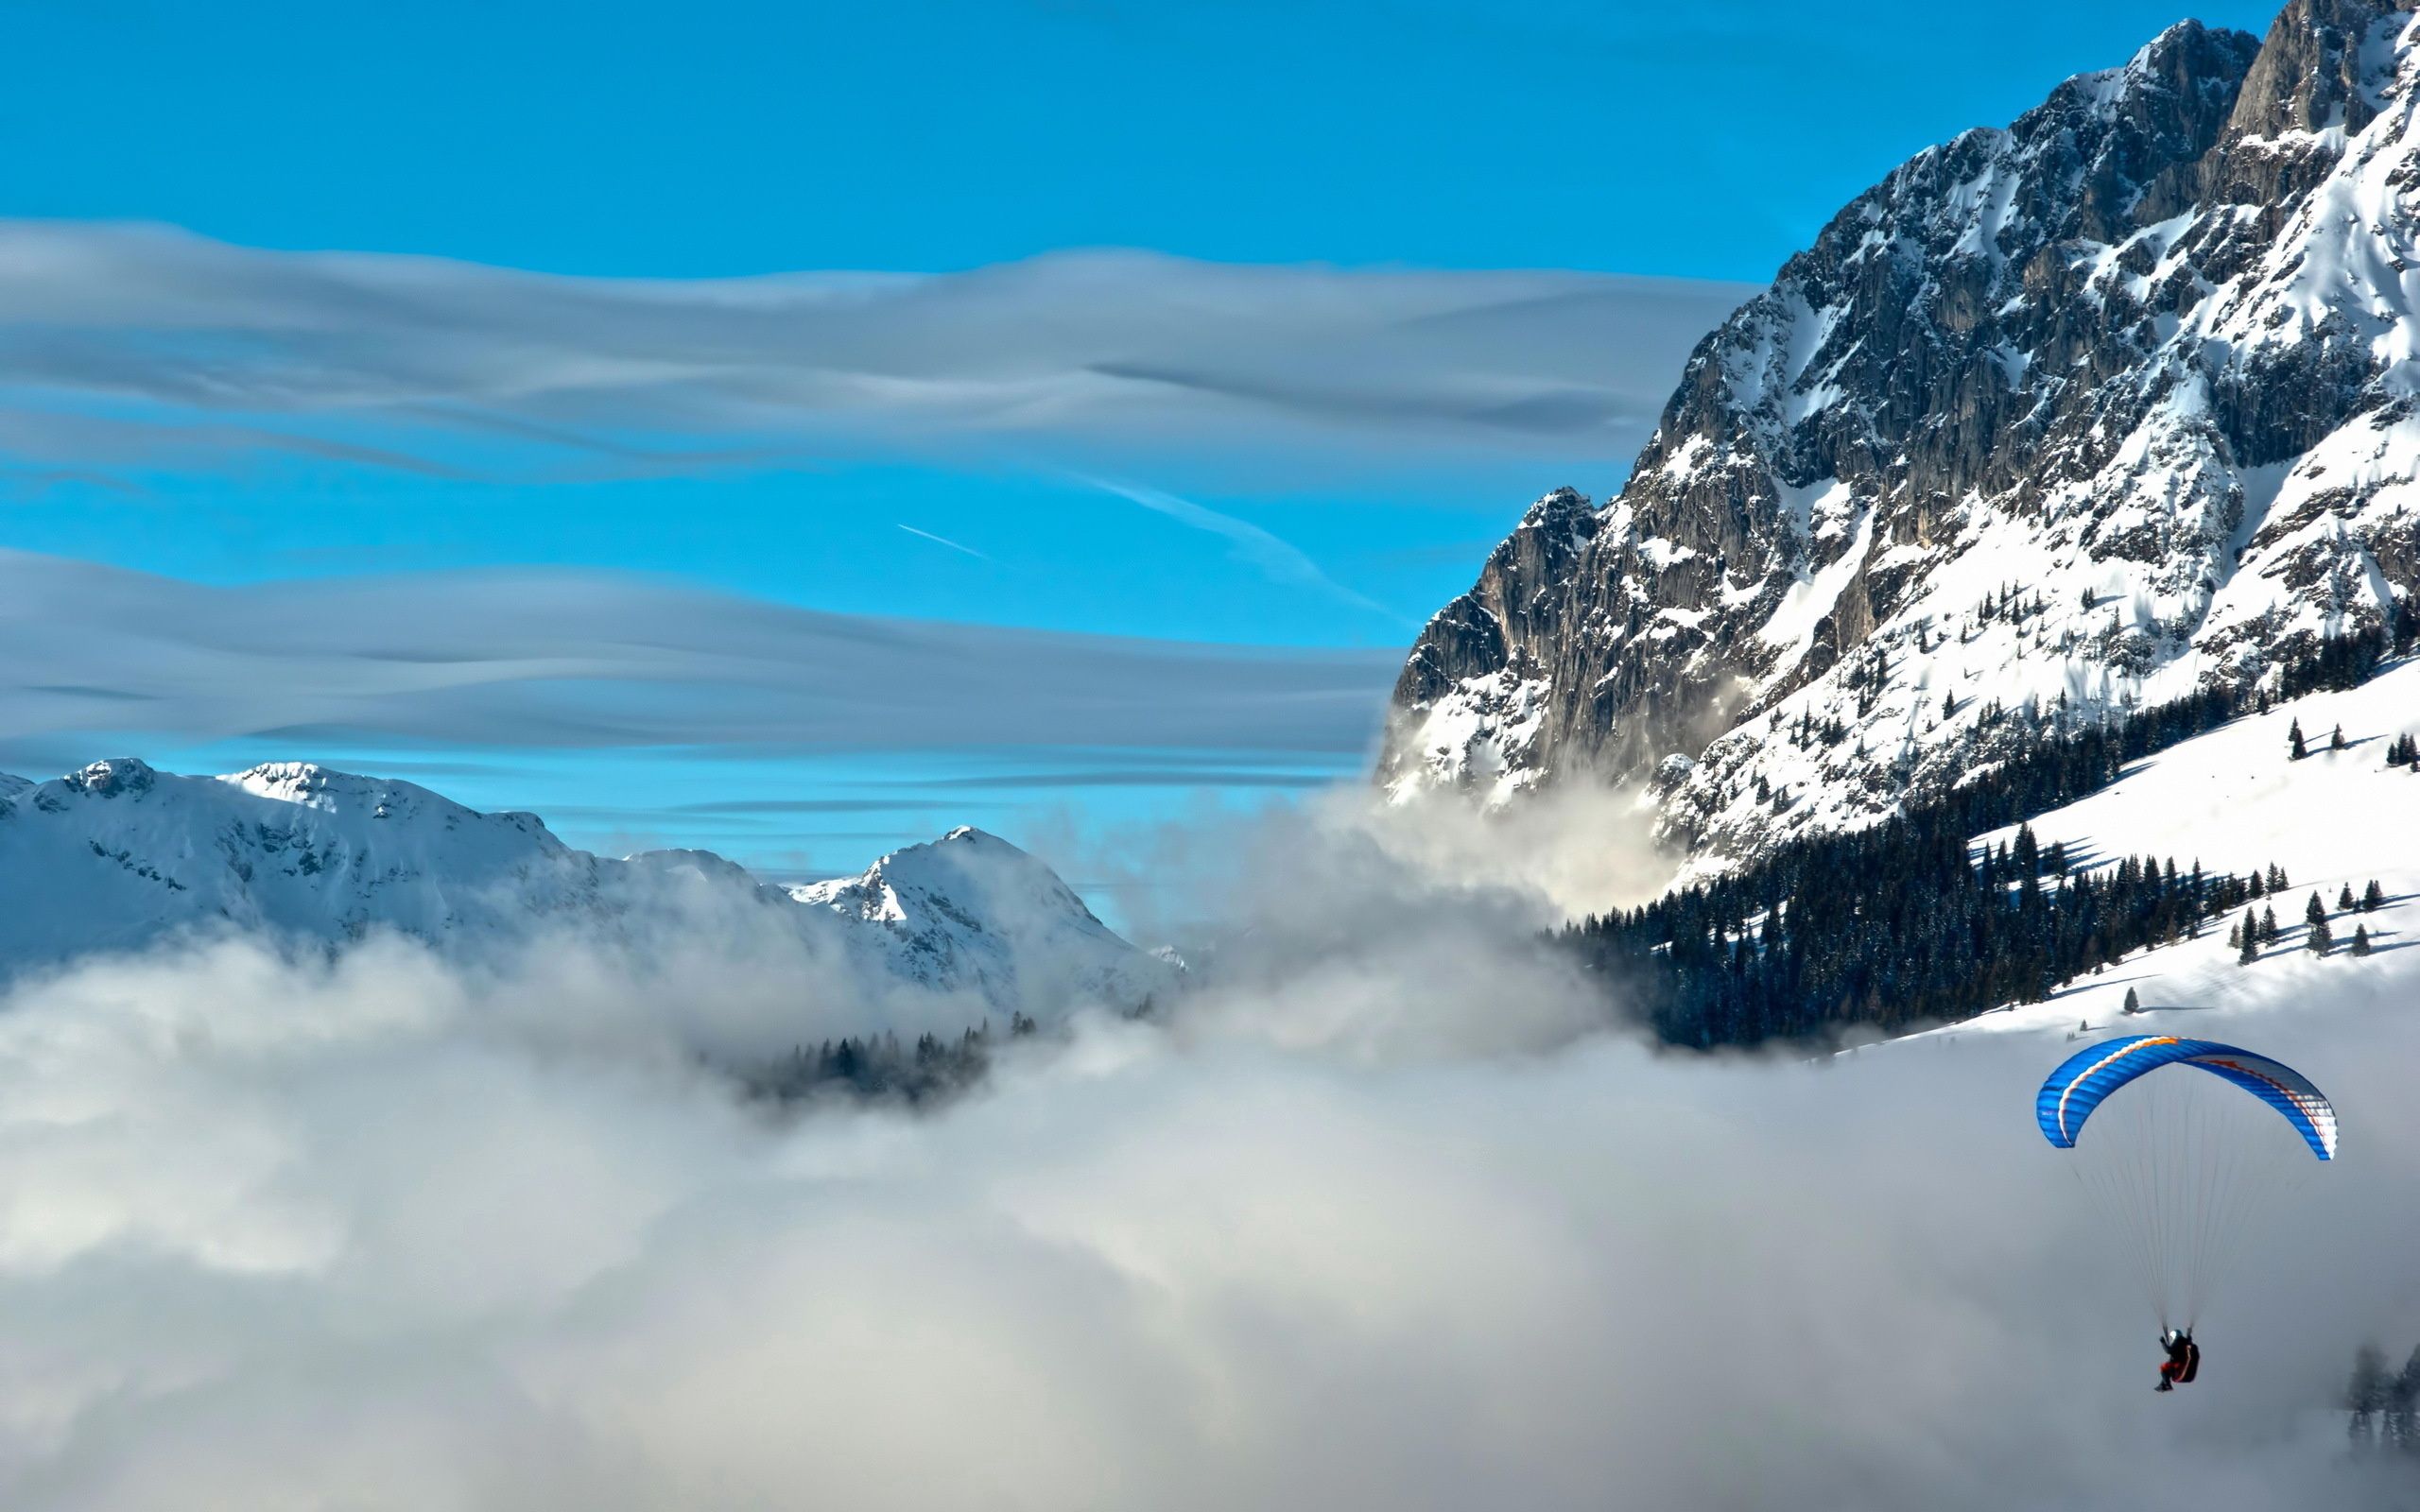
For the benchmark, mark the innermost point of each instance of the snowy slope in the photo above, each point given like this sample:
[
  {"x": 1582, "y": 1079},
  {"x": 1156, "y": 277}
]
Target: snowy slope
[
  {"x": 2233, "y": 801},
  {"x": 119, "y": 855},
  {"x": 971, "y": 909}
]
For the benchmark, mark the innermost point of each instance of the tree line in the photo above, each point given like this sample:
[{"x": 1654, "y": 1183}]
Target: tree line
[
  {"x": 2384, "y": 1404},
  {"x": 883, "y": 1068},
  {"x": 1906, "y": 921}
]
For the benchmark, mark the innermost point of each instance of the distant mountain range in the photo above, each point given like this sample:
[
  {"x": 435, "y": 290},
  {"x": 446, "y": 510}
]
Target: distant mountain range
[{"x": 119, "y": 857}]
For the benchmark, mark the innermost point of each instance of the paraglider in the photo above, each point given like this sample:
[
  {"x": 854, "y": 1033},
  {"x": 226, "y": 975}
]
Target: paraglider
[
  {"x": 2179, "y": 1162},
  {"x": 2183, "y": 1359}
]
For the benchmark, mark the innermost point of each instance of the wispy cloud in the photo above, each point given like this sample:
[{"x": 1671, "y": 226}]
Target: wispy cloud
[
  {"x": 798, "y": 805},
  {"x": 943, "y": 541},
  {"x": 138, "y": 345},
  {"x": 97, "y": 656},
  {"x": 1134, "y": 777},
  {"x": 1279, "y": 561}
]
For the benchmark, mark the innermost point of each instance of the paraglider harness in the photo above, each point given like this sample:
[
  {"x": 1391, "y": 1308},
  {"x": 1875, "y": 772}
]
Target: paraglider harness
[{"x": 2183, "y": 1359}]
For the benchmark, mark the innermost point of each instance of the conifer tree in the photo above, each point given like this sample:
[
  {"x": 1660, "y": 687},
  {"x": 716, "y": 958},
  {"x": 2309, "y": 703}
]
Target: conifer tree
[
  {"x": 2373, "y": 897},
  {"x": 2335, "y": 738},
  {"x": 2321, "y": 940},
  {"x": 2249, "y": 950},
  {"x": 2365, "y": 1395},
  {"x": 2268, "y": 926},
  {"x": 2133, "y": 1004},
  {"x": 2344, "y": 898},
  {"x": 2403, "y": 1394},
  {"x": 2295, "y": 742},
  {"x": 2314, "y": 912},
  {"x": 2361, "y": 940}
]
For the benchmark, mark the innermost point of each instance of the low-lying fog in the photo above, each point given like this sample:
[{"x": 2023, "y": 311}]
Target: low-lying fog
[{"x": 1385, "y": 1217}]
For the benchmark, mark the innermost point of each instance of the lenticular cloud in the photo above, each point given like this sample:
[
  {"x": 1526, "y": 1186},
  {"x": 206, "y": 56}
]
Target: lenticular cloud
[{"x": 159, "y": 346}]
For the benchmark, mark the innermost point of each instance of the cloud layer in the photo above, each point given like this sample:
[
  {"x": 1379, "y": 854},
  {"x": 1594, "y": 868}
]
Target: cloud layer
[
  {"x": 276, "y": 1238},
  {"x": 1371, "y": 1225},
  {"x": 92, "y": 653},
  {"x": 145, "y": 345}
]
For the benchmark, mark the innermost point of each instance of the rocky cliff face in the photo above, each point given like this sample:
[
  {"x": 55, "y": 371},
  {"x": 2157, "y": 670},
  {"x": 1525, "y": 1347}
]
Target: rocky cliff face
[{"x": 2054, "y": 419}]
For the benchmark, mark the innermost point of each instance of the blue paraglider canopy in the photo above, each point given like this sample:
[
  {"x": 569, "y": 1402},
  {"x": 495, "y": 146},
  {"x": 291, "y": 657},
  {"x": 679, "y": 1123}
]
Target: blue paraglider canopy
[{"x": 2079, "y": 1086}]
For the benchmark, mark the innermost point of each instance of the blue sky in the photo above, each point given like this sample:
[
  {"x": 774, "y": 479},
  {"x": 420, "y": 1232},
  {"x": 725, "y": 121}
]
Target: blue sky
[
  {"x": 1254, "y": 325},
  {"x": 716, "y": 137}
]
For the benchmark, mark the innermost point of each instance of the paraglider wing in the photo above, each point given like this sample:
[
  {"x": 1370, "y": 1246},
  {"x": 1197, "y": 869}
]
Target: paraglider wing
[
  {"x": 2091, "y": 1075},
  {"x": 2185, "y": 1164}
]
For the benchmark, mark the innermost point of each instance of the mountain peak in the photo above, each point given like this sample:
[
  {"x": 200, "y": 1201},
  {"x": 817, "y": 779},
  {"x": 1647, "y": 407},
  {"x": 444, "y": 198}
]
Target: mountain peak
[
  {"x": 297, "y": 779},
  {"x": 1560, "y": 503},
  {"x": 2324, "y": 66},
  {"x": 965, "y": 859},
  {"x": 973, "y": 908},
  {"x": 2187, "y": 53},
  {"x": 114, "y": 776},
  {"x": 959, "y": 851},
  {"x": 2087, "y": 413}
]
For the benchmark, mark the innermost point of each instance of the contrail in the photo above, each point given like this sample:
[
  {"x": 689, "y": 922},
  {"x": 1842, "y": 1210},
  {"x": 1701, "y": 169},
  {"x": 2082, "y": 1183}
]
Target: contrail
[
  {"x": 943, "y": 541},
  {"x": 1279, "y": 561}
]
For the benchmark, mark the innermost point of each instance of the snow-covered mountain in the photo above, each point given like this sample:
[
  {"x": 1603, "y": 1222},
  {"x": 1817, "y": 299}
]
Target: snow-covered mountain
[
  {"x": 971, "y": 909},
  {"x": 118, "y": 856},
  {"x": 115, "y": 855},
  {"x": 2078, "y": 415}
]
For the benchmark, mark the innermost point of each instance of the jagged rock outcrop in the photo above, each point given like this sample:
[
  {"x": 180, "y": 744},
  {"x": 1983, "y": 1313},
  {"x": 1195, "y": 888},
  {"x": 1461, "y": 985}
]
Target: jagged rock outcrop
[{"x": 2056, "y": 418}]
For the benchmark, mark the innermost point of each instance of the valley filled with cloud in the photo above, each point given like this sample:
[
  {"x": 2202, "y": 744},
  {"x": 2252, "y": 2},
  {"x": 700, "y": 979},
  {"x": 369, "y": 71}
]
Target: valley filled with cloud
[{"x": 1379, "y": 1216}]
